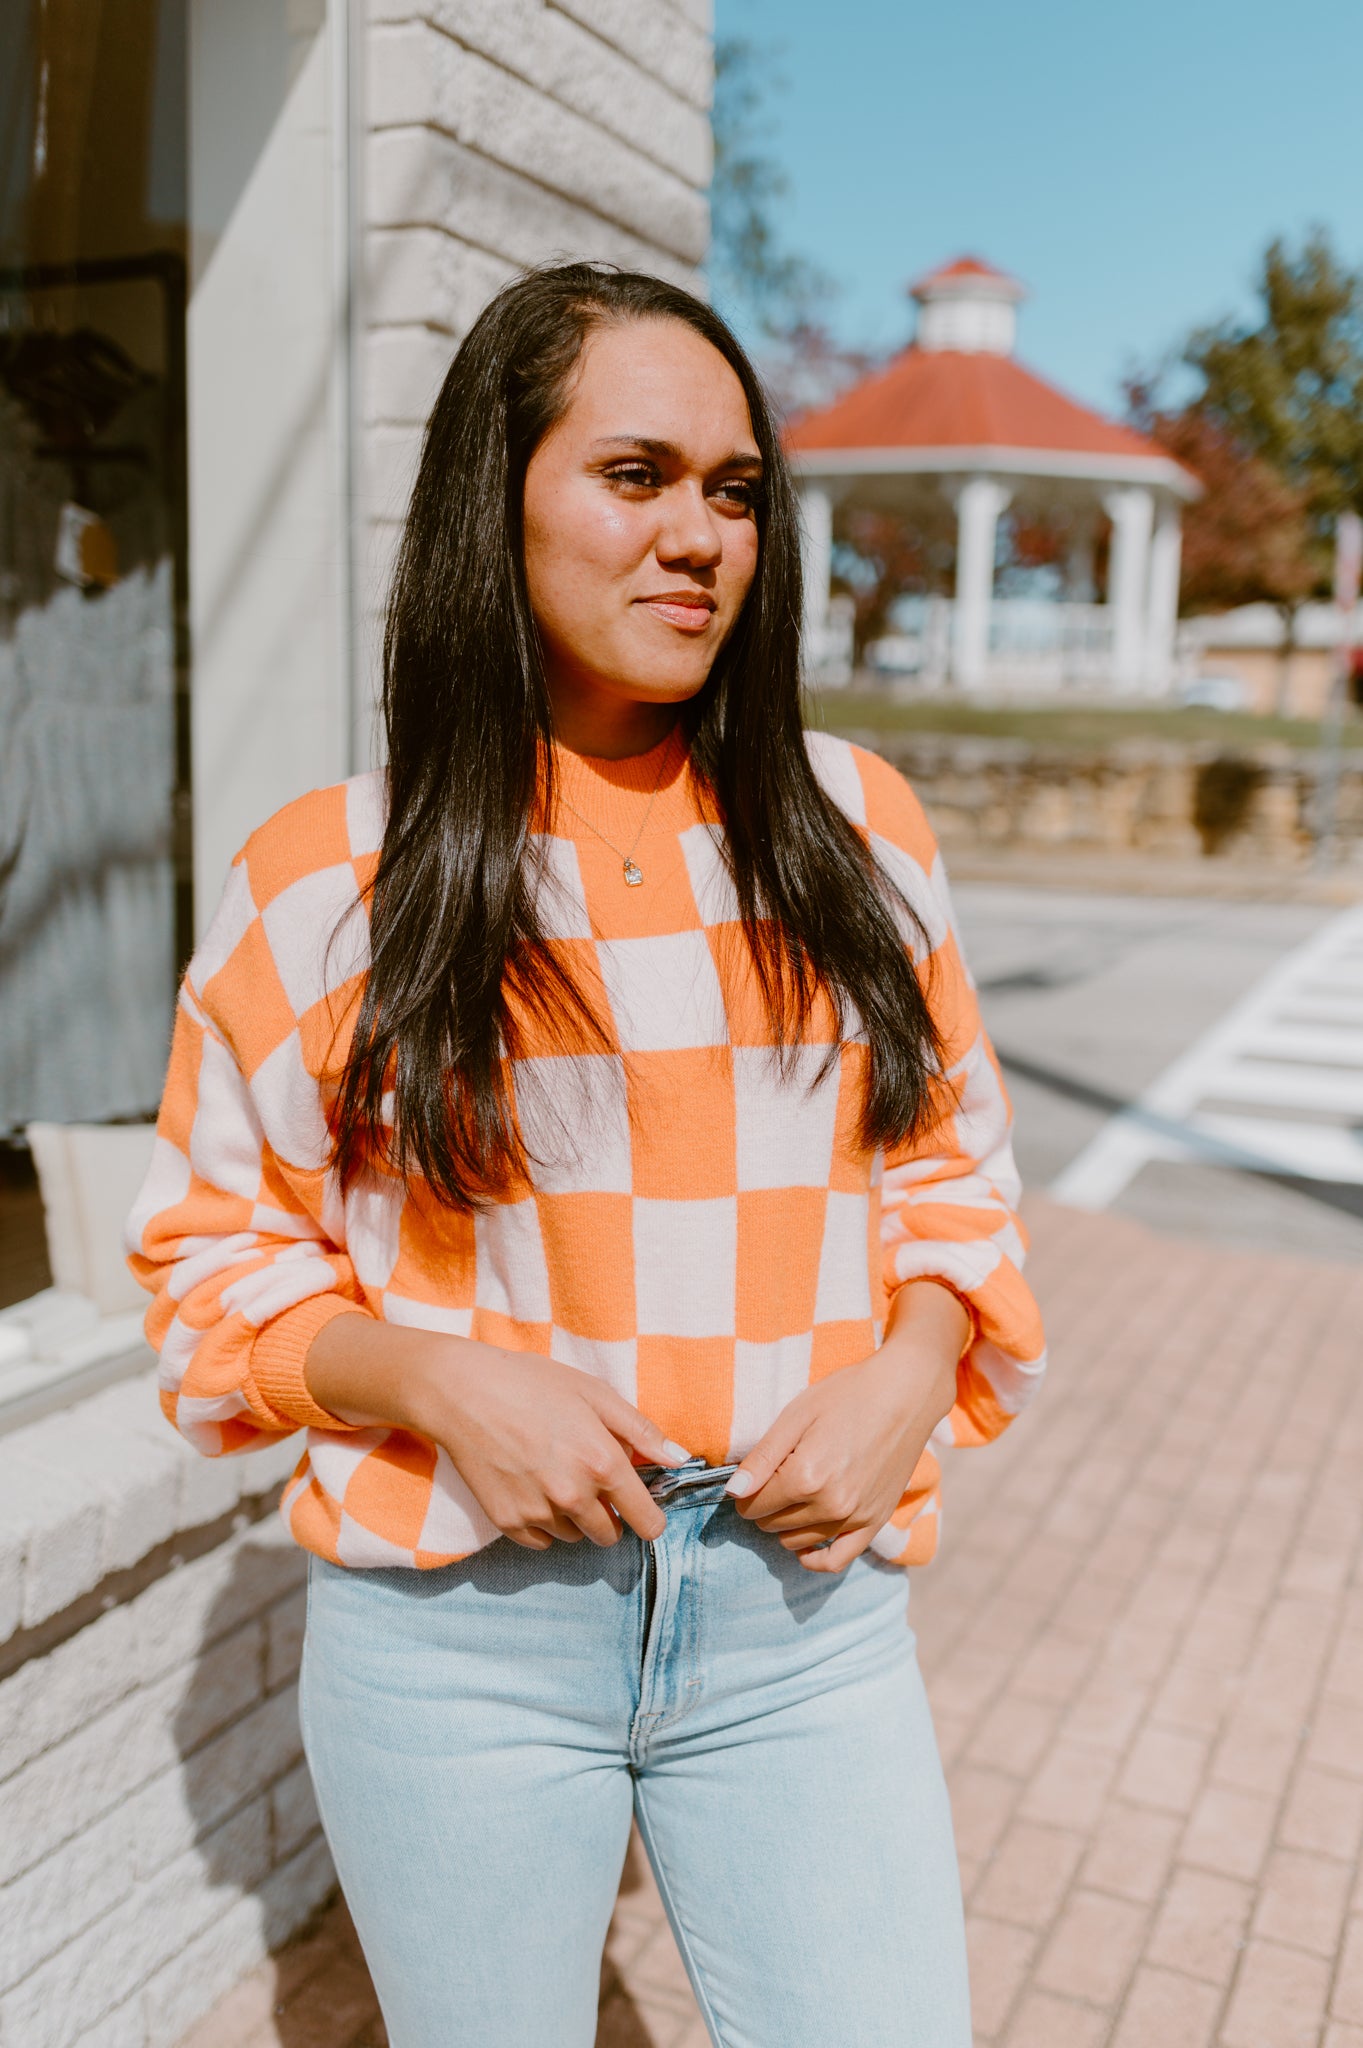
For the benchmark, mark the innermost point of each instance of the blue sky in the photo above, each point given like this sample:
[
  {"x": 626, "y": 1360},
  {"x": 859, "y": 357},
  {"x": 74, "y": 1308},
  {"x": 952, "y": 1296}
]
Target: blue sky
[{"x": 1128, "y": 163}]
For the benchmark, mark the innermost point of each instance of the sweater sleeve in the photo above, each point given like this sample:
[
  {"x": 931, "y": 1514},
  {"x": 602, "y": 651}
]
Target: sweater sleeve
[
  {"x": 949, "y": 1199},
  {"x": 228, "y": 1233}
]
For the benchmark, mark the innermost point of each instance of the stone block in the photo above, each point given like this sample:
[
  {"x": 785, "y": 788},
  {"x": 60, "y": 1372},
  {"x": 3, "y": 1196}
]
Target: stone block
[
  {"x": 569, "y": 66},
  {"x": 293, "y": 1808},
  {"x": 284, "y": 1626},
  {"x": 139, "y": 1479},
  {"x": 12, "y": 1545},
  {"x": 58, "y": 1523},
  {"x": 207, "y": 1487},
  {"x": 70, "y": 1786},
  {"x": 222, "y": 1685},
  {"x": 663, "y": 40},
  {"x": 210, "y": 1487},
  {"x": 54, "y": 1902},
  {"x": 245, "y": 1759},
  {"x": 403, "y": 370},
  {"x": 295, "y": 1890},
  {"x": 133, "y": 1406},
  {"x": 155, "y": 1927},
  {"x": 160, "y": 1822},
  {"x": 416, "y": 276},
  {"x": 417, "y": 177},
  {"x": 418, "y": 78},
  {"x": 182, "y": 1990},
  {"x": 178, "y": 1615},
  {"x": 50, "y": 1697},
  {"x": 190, "y": 1985},
  {"x": 700, "y": 13},
  {"x": 231, "y": 1859},
  {"x": 93, "y": 1975},
  {"x": 124, "y": 2028}
]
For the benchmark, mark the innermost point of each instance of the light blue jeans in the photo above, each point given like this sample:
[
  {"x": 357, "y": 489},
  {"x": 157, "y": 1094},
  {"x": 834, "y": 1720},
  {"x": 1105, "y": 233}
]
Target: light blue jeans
[{"x": 480, "y": 1736}]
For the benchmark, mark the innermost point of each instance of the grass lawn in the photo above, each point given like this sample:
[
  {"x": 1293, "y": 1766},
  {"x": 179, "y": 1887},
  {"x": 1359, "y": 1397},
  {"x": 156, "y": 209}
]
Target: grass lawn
[{"x": 1084, "y": 727}]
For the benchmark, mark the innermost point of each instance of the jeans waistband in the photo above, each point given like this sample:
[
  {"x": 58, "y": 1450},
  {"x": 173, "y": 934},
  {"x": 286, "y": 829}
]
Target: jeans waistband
[{"x": 692, "y": 1485}]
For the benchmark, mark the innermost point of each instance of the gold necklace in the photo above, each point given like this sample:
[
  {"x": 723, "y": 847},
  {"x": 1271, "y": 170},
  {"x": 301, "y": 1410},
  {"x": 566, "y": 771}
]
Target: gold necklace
[{"x": 629, "y": 867}]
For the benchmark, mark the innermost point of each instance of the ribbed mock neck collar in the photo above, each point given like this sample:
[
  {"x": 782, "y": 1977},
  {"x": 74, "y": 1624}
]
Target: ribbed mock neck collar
[{"x": 587, "y": 780}]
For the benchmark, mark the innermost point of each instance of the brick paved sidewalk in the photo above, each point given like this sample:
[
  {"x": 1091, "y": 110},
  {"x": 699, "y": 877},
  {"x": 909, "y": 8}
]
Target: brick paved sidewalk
[{"x": 1144, "y": 1648}]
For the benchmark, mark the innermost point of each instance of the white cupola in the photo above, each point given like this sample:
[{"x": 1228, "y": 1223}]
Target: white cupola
[{"x": 968, "y": 306}]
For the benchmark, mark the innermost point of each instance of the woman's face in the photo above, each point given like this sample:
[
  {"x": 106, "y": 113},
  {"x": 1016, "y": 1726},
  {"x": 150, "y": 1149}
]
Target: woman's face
[{"x": 640, "y": 527}]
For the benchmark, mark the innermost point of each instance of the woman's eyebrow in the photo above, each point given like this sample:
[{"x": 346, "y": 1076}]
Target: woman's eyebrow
[{"x": 668, "y": 451}]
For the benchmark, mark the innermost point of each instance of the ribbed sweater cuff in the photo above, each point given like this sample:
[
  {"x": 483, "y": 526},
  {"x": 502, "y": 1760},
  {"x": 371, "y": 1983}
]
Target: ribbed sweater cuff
[
  {"x": 894, "y": 1287},
  {"x": 279, "y": 1355}
]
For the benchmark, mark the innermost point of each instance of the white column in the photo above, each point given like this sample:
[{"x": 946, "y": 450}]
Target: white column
[
  {"x": 816, "y": 513},
  {"x": 978, "y": 505},
  {"x": 1132, "y": 514},
  {"x": 1166, "y": 551},
  {"x": 268, "y": 521}
]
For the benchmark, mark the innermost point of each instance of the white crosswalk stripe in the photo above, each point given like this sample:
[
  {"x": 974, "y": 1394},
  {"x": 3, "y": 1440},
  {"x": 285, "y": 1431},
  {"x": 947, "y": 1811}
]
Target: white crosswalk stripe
[{"x": 1276, "y": 1087}]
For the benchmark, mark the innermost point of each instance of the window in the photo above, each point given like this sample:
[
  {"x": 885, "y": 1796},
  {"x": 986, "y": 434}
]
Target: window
[{"x": 95, "y": 896}]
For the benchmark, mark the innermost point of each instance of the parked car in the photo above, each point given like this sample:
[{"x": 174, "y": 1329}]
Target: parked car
[{"x": 1214, "y": 693}]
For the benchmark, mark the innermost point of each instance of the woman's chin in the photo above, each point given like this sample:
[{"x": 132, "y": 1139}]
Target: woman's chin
[{"x": 652, "y": 679}]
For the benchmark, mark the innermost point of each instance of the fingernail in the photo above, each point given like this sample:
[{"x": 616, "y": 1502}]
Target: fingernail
[
  {"x": 675, "y": 1451},
  {"x": 741, "y": 1485}
]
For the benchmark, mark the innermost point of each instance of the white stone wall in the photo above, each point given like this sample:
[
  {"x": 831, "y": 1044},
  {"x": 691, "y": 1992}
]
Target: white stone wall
[
  {"x": 503, "y": 133},
  {"x": 157, "y": 1827}
]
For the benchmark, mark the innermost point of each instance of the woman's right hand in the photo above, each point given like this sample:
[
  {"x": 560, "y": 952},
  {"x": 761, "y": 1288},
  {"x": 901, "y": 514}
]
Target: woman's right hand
[{"x": 543, "y": 1448}]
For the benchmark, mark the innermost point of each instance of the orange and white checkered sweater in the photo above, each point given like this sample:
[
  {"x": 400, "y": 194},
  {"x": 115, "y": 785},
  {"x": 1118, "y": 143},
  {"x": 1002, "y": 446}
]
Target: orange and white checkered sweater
[{"x": 703, "y": 1231}]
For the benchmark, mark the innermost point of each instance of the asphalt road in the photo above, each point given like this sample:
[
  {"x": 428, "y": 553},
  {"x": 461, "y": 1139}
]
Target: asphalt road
[{"x": 1089, "y": 998}]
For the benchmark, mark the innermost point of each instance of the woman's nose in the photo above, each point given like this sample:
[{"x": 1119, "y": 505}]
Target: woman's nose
[{"x": 691, "y": 532}]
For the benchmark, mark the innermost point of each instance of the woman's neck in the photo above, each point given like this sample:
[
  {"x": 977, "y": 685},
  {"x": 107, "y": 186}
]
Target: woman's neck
[{"x": 605, "y": 727}]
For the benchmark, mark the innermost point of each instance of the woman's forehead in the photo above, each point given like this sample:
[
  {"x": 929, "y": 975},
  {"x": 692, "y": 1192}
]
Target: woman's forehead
[{"x": 657, "y": 380}]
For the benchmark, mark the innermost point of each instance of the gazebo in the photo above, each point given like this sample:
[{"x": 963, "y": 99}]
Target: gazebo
[{"x": 955, "y": 422}]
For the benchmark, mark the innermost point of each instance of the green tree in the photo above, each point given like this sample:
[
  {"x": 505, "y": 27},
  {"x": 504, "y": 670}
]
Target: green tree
[
  {"x": 1287, "y": 390},
  {"x": 775, "y": 296},
  {"x": 1246, "y": 539},
  {"x": 754, "y": 278}
]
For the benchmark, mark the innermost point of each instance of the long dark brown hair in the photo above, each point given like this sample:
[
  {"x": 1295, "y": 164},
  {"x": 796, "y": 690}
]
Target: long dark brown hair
[{"x": 456, "y": 948}]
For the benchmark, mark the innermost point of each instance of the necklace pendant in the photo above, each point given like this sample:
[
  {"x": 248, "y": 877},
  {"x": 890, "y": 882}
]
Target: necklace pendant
[{"x": 633, "y": 875}]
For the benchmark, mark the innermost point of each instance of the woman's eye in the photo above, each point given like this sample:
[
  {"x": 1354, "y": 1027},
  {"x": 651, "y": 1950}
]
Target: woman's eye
[
  {"x": 640, "y": 474},
  {"x": 737, "y": 492}
]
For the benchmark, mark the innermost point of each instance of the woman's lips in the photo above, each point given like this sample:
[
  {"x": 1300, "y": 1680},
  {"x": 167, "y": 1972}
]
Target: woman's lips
[{"x": 691, "y": 618}]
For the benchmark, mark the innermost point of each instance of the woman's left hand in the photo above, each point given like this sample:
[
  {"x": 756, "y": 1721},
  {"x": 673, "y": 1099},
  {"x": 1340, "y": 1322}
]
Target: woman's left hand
[{"x": 834, "y": 1465}]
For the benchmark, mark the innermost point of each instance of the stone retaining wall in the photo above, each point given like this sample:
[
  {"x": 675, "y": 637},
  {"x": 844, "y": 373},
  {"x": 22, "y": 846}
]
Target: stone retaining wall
[
  {"x": 157, "y": 1827},
  {"x": 1150, "y": 798}
]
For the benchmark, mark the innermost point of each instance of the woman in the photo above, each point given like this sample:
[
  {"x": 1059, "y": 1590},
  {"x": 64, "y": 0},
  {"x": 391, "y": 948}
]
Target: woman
[{"x": 584, "y": 1130}]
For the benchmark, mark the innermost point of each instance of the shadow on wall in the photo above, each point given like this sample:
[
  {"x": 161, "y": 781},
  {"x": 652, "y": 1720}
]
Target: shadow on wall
[
  {"x": 255, "y": 1823},
  {"x": 258, "y": 1836}
]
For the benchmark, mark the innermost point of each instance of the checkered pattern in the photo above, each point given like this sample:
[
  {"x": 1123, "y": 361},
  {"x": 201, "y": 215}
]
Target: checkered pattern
[{"x": 701, "y": 1228}]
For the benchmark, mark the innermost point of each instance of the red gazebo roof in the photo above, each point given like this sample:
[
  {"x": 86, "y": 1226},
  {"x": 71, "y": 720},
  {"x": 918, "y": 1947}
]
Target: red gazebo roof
[
  {"x": 948, "y": 398},
  {"x": 963, "y": 272}
]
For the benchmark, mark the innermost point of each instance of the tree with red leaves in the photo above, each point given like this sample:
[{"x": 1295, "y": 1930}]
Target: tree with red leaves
[
  {"x": 1246, "y": 539},
  {"x": 1275, "y": 433}
]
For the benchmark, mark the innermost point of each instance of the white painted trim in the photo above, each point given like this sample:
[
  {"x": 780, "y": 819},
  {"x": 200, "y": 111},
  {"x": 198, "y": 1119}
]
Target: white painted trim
[
  {"x": 1158, "y": 471},
  {"x": 346, "y": 32}
]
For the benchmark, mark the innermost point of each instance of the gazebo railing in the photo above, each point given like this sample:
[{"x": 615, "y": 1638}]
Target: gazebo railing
[{"x": 1037, "y": 647}]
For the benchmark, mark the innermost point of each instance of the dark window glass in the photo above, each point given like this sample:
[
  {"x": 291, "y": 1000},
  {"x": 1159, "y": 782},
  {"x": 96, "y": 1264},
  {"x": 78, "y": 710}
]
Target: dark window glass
[{"x": 94, "y": 839}]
